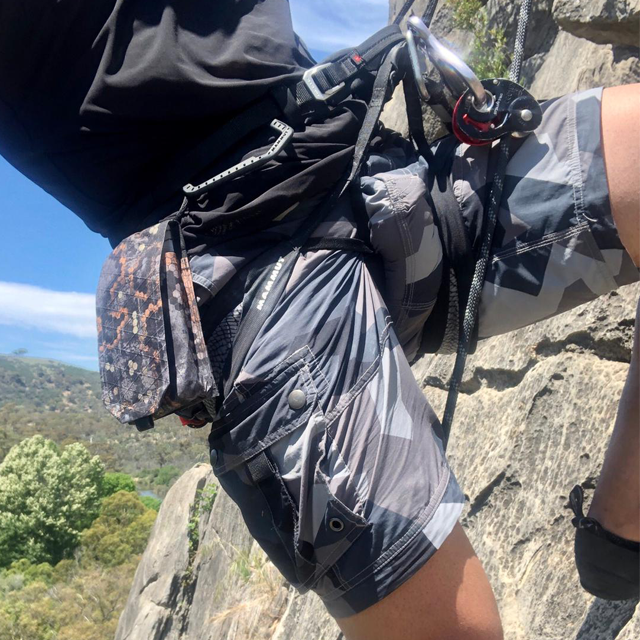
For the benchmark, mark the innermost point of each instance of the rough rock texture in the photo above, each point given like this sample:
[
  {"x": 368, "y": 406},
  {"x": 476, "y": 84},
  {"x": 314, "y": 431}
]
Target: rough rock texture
[
  {"x": 215, "y": 582},
  {"x": 600, "y": 20},
  {"x": 533, "y": 419}
]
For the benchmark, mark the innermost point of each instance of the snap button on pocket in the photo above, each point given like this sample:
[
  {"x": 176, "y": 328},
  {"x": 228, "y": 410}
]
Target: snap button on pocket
[
  {"x": 213, "y": 457},
  {"x": 297, "y": 399},
  {"x": 335, "y": 524}
]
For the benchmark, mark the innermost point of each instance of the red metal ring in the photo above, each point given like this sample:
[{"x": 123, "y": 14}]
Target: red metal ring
[{"x": 461, "y": 135}]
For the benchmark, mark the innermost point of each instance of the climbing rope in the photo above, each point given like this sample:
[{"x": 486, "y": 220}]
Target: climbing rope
[
  {"x": 503, "y": 155},
  {"x": 495, "y": 197}
]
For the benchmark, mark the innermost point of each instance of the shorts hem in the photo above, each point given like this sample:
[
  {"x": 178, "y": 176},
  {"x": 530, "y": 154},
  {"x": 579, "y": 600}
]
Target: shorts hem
[{"x": 408, "y": 544}]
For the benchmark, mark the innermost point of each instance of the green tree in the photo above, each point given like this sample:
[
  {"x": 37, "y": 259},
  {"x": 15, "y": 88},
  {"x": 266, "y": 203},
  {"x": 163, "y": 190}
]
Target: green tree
[
  {"x": 42, "y": 572},
  {"x": 151, "y": 503},
  {"x": 116, "y": 481},
  {"x": 488, "y": 56},
  {"x": 48, "y": 496},
  {"x": 120, "y": 532},
  {"x": 166, "y": 475}
]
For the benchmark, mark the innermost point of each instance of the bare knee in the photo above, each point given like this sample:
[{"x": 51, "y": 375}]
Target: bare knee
[
  {"x": 620, "y": 138},
  {"x": 449, "y": 598}
]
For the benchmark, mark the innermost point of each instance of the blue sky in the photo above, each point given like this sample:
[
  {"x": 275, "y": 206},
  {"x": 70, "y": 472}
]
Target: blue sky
[{"x": 50, "y": 262}]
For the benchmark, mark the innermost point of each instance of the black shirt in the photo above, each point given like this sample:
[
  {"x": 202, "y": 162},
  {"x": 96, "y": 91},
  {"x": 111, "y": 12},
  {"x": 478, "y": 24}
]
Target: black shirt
[{"x": 98, "y": 96}]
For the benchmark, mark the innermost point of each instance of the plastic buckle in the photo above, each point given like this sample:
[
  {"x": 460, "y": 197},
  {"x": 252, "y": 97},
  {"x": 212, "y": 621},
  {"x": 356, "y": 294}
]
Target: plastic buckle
[
  {"x": 255, "y": 162},
  {"x": 309, "y": 79}
]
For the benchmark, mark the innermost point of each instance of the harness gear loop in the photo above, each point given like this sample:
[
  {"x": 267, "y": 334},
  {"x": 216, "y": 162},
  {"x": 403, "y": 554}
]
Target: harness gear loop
[{"x": 246, "y": 166}]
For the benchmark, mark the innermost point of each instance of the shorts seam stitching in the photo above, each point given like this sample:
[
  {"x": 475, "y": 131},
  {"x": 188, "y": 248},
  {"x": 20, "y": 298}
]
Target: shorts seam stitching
[
  {"x": 405, "y": 235},
  {"x": 546, "y": 240}
]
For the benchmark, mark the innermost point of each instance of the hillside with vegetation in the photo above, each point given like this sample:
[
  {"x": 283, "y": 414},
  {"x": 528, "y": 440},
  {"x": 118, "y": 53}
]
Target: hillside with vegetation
[
  {"x": 64, "y": 404},
  {"x": 73, "y": 522}
]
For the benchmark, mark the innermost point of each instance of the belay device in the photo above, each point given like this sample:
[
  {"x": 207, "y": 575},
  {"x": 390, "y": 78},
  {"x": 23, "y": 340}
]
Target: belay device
[{"x": 484, "y": 110}]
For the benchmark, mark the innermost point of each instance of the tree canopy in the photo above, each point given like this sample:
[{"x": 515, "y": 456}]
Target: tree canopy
[{"x": 48, "y": 496}]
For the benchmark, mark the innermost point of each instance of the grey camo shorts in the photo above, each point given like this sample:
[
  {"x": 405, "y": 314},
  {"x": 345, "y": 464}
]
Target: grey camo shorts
[{"x": 325, "y": 441}]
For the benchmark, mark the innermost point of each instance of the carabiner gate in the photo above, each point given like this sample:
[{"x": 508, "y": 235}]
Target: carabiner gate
[{"x": 457, "y": 75}]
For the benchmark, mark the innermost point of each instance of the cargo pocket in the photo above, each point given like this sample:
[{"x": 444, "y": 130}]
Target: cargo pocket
[
  {"x": 404, "y": 234},
  {"x": 271, "y": 452}
]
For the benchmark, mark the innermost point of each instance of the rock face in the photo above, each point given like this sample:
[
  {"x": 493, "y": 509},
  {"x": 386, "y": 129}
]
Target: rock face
[
  {"x": 534, "y": 417},
  {"x": 202, "y": 577}
]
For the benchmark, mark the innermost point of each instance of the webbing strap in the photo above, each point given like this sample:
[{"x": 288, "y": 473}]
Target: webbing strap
[
  {"x": 338, "y": 244},
  {"x": 415, "y": 119},
  {"x": 458, "y": 262},
  {"x": 327, "y": 77},
  {"x": 259, "y": 468},
  {"x": 381, "y": 88}
]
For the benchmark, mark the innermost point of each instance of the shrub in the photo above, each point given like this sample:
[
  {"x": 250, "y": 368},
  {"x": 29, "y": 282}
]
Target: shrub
[
  {"x": 48, "y": 496},
  {"x": 116, "y": 481},
  {"x": 489, "y": 57}
]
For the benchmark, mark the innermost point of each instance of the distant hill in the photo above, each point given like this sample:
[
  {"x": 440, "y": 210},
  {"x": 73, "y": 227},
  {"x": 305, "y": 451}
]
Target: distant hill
[
  {"x": 64, "y": 403},
  {"x": 48, "y": 385}
]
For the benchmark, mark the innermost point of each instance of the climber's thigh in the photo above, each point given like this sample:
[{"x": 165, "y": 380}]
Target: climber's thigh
[
  {"x": 556, "y": 243},
  {"x": 330, "y": 449},
  {"x": 450, "y": 598},
  {"x": 621, "y": 143}
]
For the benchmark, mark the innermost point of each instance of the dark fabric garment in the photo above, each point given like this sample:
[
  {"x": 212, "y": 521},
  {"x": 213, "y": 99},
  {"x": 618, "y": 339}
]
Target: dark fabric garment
[
  {"x": 317, "y": 158},
  {"x": 97, "y": 98}
]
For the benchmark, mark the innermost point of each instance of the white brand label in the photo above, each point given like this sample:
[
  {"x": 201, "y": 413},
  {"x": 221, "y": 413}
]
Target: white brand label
[{"x": 269, "y": 285}]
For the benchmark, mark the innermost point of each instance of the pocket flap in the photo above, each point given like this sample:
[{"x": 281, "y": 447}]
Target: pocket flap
[{"x": 274, "y": 409}]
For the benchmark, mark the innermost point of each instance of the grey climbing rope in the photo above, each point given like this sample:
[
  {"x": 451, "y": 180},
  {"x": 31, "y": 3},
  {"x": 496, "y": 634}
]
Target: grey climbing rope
[{"x": 495, "y": 197}]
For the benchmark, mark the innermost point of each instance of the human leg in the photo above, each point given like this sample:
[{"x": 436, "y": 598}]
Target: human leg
[
  {"x": 621, "y": 144},
  {"x": 616, "y": 502},
  {"x": 449, "y": 598},
  {"x": 335, "y": 459}
]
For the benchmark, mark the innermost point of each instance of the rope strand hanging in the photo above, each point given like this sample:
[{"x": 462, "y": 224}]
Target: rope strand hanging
[
  {"x": 503, "y": 151},
  {"x": 495, "y": 197}
]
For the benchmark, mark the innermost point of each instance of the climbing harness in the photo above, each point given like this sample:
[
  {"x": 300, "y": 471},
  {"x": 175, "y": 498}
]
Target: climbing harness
[{"x": 477, "y": 112}]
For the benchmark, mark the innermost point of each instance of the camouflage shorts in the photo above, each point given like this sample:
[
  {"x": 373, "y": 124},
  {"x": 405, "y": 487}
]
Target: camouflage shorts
[{"x": 327, "y": 443}]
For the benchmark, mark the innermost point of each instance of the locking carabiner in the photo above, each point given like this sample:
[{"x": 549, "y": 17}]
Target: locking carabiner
[{"x": 457, "y": 75}]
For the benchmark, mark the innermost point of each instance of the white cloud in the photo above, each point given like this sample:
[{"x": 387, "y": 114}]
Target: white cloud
[
  {"x": 330, "y": 25},
  {"x": 26, "y": 306}
]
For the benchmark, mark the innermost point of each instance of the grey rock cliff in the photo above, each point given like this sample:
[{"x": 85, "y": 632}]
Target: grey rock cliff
[{"x": 534, "y": 417}]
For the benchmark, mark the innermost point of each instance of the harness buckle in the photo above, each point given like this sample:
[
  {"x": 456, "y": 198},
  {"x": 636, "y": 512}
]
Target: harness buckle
[{"x": 309, "y": 80}]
